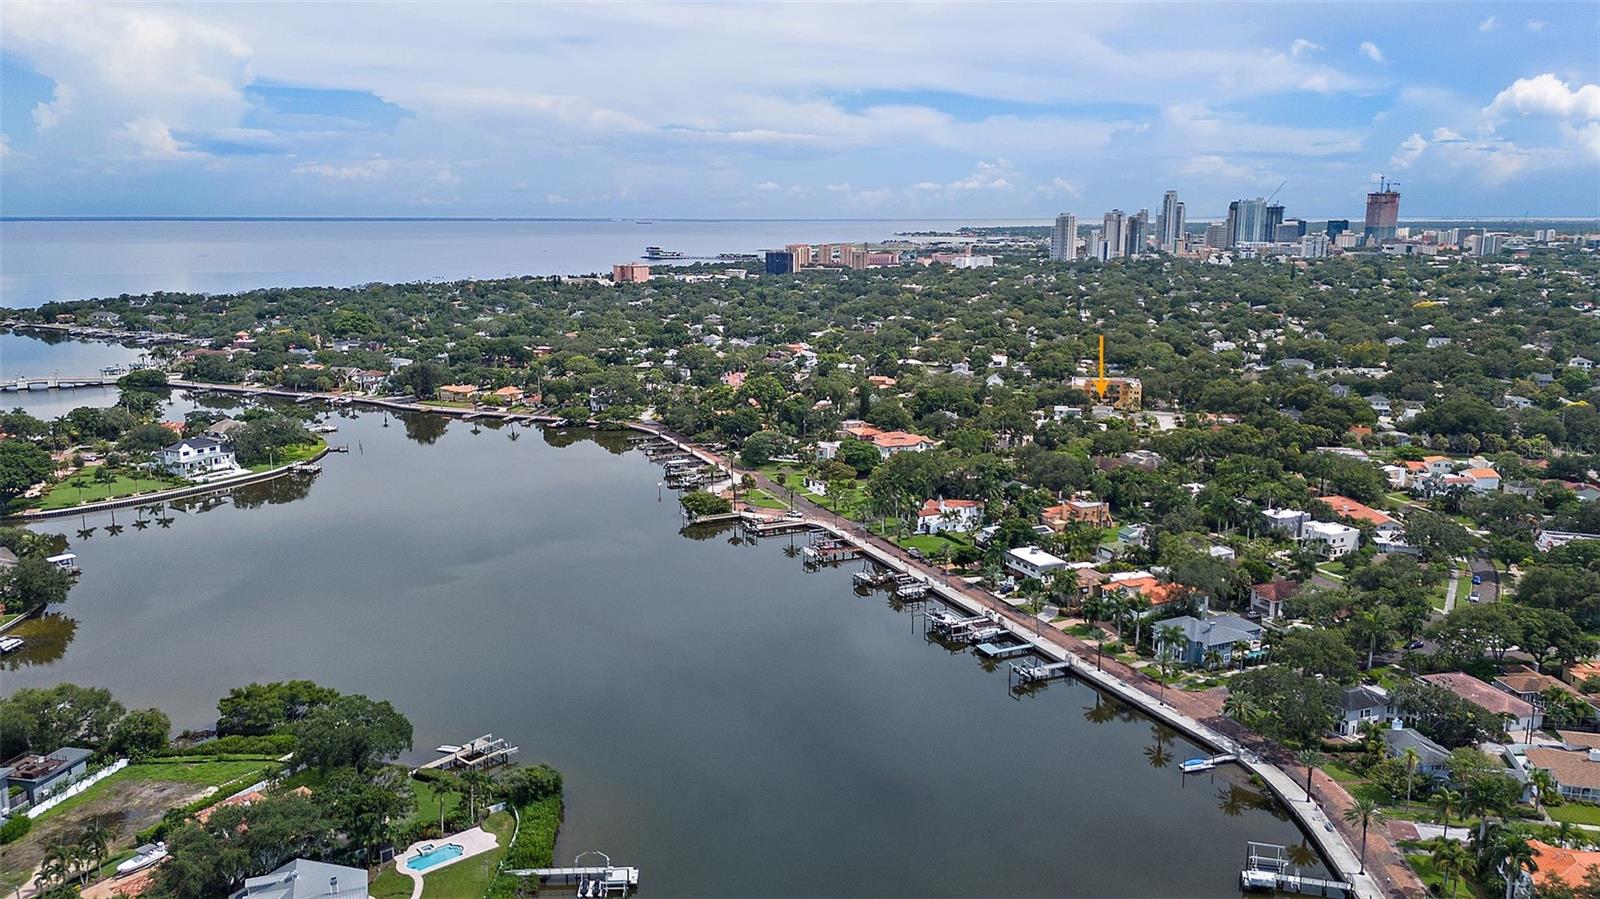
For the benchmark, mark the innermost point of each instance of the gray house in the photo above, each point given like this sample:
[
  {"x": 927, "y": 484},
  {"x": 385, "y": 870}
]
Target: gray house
[
  {"x": 1432, "y": 759},
  {"x": 38, "y": 777},
  {"x": 1223, "y": 633},
  {"x": 303, "y": 879},
  {"x": 1362, "y": 705}
]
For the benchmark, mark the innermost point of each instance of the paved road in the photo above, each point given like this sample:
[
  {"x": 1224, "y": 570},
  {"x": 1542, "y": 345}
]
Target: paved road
[{"x": 1489, "y": 590}]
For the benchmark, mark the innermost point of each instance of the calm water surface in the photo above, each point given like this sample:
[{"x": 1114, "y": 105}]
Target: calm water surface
[
  {"x": 725, "y": 720},
  {"x": 42, "y": 261}
]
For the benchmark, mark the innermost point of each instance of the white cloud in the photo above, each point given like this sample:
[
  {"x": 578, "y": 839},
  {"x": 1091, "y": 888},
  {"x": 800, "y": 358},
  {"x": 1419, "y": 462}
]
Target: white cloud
[
  {"x": 1446, "y": 135},
  {"x": 1301, "y": 47},
  {"x": 1061, "y": 187},
  {"x": 361, "y": 171},
  {"x": 48, "y": 115},
  {"x": 1488, "y": 24},
  {"x": 1588, "y": 139},
  {"x": 1409, "y": 150},
  {"x": 1535, "y": 24},
  {"x": 986, "y": 176},
  {"x": 154, "y": 139},
  {"x": 1371, "y": 51},
  {"x": 5, "y": 147},
  {"x": 843, "y": 188},
  {"x": 1546, "y": 96},
  {"x": 1212, "y": 166}
]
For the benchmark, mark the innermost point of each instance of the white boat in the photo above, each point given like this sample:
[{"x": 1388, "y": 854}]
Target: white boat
[
  {"x": 10, "y": 644},
  {"x": 143, "y": 857},
  {"x": 1195, "y": 766}
]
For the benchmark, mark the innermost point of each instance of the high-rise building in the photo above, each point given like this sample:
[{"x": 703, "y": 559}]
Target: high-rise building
[
  {"x": 630, "y": 273},
  {"x": 1138, "y": 233},
  {"x": 1232, "y": 223},
  {"x": 1314, "y": 245},
  {"x": 1289, "y": 232},
  {"x": 1269, "y": 225},
  {"x": 802, "y": 254},
  {"x": 1249, "y": 221},
  {"x": 1337, "y": 227},
  {"x": 1490, "y": 244},
  {"x": 1114, "y": 232},
  {"x": 1217, "y": 235},
  {"x": 780, "y": 262},
  {"x": 1383, "y": 213},
  {"x": 1095, "y": 246},
  {"x": 1064, "y": 239},
  {"x": 1169, "y": 224}
]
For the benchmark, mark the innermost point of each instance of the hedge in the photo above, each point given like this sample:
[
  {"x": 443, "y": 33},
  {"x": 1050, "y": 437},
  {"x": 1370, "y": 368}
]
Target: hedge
[
  {"x": 534, "y": 847},
  {"x": 275, "y": 745},
  {"x": 15, "y": 829}
]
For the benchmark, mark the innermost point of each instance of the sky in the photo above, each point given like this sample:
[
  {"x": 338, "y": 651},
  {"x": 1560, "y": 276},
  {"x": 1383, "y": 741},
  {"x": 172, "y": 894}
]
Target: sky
[{"x": 811, "y": 110}]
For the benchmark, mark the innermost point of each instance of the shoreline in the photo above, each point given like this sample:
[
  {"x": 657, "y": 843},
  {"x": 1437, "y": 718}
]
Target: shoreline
[{"x": 1315, "y": 823}]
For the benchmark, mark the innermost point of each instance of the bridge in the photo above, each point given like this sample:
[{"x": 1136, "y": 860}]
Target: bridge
[{"x": 56, "y": 382}]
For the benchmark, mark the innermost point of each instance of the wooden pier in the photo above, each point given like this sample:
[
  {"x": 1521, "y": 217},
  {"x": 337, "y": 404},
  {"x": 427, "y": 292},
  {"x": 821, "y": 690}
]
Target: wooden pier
[
  {"x": 591, "y": 880},
  {"x": 1027, "y": 675},
  {"x": 1266, "y": 869},
  {"x": 1003, "y": 650}
]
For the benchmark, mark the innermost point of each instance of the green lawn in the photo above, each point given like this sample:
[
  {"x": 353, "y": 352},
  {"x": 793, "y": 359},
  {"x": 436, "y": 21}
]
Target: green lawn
[
  {"x": 763, "y": 500},
  {"x": 1422, "y": 863},
  {"x": 927, "y": 544},
  {"x": 67, "y": 494},
  {"x": 233, "y": 771},
  {"x": 429, "y": 799},
  {"x": 1574, "y": 813},
  {"x": 290, "y": 455},
  {"x": 470, "y": 877}
]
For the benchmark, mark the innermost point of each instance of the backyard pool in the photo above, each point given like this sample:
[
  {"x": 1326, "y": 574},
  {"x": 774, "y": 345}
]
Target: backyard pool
[{"x": 434, "y": 855}]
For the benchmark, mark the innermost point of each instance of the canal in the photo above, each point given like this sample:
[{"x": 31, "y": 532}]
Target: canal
[{"x": 727, "y": 721}]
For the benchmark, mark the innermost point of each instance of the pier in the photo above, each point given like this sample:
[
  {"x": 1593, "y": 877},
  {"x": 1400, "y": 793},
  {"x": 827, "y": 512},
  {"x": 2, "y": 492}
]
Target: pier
[
  {"x": 57, "y": 382},
  {"x": 1266, "y": 869},
  {"x": 1027, "y": 675},
  {"x": 482, "y": 752},
  {"x": 592, "y": 880}
]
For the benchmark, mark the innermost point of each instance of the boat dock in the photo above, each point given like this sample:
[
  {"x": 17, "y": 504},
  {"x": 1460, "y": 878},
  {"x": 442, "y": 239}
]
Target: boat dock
[
  {"x": 1266, "y": 869},
  {"x": 821, "y": 552},
  {"x": 591, "y": 880},
  {"x": 1196, "y": 766},
  {"x": 482, "y": 752},
  {"x": 56, "y": 382},
  {"x": 1025, "y": 675},
  {"x": 1003, "y": 650}
]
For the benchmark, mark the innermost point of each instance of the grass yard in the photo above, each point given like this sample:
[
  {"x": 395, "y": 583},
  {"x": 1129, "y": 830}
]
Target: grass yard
[
  {"x": 1574, "y": 813},
  {"x": 232, "y": 771},
  {"x": 67, "y": 494},
  {"x": 466, "y": 878},
  {"x": 931, "y": 543},
  {"x": 763, "y": 500},
  {"x": 290, "y": 455},
  {"x": 1433, "y": 878},
  {"x": 429, "y": 799}
]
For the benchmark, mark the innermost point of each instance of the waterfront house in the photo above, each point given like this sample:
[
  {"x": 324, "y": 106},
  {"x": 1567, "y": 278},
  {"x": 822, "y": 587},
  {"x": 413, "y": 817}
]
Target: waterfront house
[
  {"x": 939, "y": 515},
  {"x": 1576, "y": 772},
  {"x": 196, "y": 456},
  {"x": 1266, "y": 600},
  {"x": 457, "y": 393},
  {"x": 1362, "y": 705},
  {"x": 1552, "y": 863},
  {"x": 1519, "y": 716},
  {"x": 38, "y": 777},
  {"x": 1433, "y": 760},
  {"x": 305, "y": 879},
  {"x": 507, "y": 396},
  {"x": 1218, "y": 635},
  {"x": 221, "y": 429},
  {"x": 1129, "y": 584},
  {"x": 1031, "y": 561}
]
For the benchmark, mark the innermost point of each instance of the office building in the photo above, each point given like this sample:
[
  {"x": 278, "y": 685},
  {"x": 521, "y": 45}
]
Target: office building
[
  {"x": 1064, "y": 239},
  {"x": 1217, "y": 235},
  {"x": 1337, "y": 227},
  {"x": 1490, "y": 244},
  {"x": 780, "y": 262},
  {"x": 1269, "y": 225},
  {"x": 1169, "y": 224},
  {"x": 1314, "y": 245},
  {"x": 1114, "y": 232},
  {"x": 1383, "y": 213},
  {"x": 1249, "y": 220},
  {"x": 630, "y": 273},
  {"x": 1289, "y": 232}
]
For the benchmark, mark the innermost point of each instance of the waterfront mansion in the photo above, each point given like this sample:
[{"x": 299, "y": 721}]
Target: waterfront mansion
[{"x": 196, "y": 456}]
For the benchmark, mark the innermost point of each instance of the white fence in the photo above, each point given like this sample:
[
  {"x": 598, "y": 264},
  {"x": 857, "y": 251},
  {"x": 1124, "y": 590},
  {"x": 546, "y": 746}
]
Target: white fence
[{"x": 77, "y": 788}]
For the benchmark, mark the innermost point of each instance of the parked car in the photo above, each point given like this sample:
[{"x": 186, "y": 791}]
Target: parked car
[
  {"x": 1415, "y": 644},
  {"x": 1474, "y": 597},
  {"x": 1477, "y": 579}
]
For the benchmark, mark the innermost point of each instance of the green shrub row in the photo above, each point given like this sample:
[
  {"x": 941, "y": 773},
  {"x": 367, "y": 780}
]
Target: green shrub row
[
  {"x": 534, "y": 847},
  {"x": 15, "y": 829},
  {"x": 275, "y": 745}
]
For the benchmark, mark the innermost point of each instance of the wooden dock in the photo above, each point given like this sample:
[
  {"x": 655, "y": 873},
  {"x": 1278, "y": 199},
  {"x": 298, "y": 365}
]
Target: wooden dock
[{"x": 482, "y": 752}]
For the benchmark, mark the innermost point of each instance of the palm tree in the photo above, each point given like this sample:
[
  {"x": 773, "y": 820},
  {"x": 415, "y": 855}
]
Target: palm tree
[
  {"x": 57, "y": 864},
  {"x": 1241, "y": 708},
  {"x": 1309, "y": 758},
  {"x": 475, "y": 781},
  {"x": 95, "y": 841},
  {"x": 1366, "y": 813},
  {"x": 1410, "y": 757},
  {"x": 1213, "y": 659},
  {"x": 1453, "y": 861},
  {"x": 1518, "y": 858},
  {"x": 1168, "y": 640},
  {"x": 1444, "y": 802},
  {"x": 1138, "y": 605},
  {"x": 1542, "y": 781}
]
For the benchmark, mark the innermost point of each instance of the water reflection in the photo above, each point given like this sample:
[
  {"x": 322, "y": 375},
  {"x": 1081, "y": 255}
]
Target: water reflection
[
  {"x": 44, "y": 640},
  {"x": 423, "y": 427},
  {"x": 275, "y": 492},
  {"x": 1159, "y": 752}
]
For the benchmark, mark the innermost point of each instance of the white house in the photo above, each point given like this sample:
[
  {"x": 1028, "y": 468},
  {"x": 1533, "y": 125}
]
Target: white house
[
  {"x": 1362, "y": 705},
  {"x": 1287, "y": 521},
  {"x": 1580, "y": 363},
  {"x": 1329, "y": 540},
  {"x": 196, "y": 455},
  {"x": 1031, "y": 561},
  {"x": 940, "y": 515}
]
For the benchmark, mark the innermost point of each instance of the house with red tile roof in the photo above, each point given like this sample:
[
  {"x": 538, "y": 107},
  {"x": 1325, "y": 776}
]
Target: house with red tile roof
[
  {"x": 1088, "y": 511},
  {"x": 939, "y": 515},
  {"x": 1520, "y": 716},
  {"x": 1384, "y": 525},
  {"x": 1570, "y": 866}
]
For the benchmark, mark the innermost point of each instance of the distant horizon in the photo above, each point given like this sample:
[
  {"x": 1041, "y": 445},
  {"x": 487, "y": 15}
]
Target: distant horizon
[{"x": 1084, "y": 219}]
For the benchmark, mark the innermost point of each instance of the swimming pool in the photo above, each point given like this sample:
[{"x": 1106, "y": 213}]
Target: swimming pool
[{"x": 434, "y": 855}]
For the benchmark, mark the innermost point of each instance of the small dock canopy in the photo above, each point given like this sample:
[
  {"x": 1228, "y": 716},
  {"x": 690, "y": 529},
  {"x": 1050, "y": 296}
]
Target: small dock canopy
[
  {"x": 1266, "y": 869},
  {"x": 482, "y": 752}
]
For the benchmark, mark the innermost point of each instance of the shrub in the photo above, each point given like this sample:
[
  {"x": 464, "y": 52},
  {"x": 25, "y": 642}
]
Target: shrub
[{"x": 15, "y": 829}]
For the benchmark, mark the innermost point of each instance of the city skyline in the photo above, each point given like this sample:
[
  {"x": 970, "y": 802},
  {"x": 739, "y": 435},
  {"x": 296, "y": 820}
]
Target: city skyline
[{"x": 927, "y": 111}]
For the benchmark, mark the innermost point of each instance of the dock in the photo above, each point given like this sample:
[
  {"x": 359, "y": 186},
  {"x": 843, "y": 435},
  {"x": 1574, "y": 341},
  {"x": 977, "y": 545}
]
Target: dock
[
  {"x": 1196, "y": 766},
  {"x": 1003, "y": 650},
  {"x": 1025, "y": 675},
  {"x": 482, "y": 752},
  {"x": 1266, "y": 869},
  {"x": 592, "y": 880}
]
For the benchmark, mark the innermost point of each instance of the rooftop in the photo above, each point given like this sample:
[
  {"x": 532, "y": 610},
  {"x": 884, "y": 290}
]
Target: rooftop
[{"x": 1480, "y": 694}]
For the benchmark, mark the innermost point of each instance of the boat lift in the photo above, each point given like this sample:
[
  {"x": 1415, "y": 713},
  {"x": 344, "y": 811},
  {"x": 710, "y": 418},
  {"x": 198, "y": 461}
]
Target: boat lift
[{"x": 1266, "y": 869}]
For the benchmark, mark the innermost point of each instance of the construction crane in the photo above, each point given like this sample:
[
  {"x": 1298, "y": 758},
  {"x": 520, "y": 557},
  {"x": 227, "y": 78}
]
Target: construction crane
[{"x": 1275, "y": 192}]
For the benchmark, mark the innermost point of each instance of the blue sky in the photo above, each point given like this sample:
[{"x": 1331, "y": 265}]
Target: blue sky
[{"x": 808, "y": 110}]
